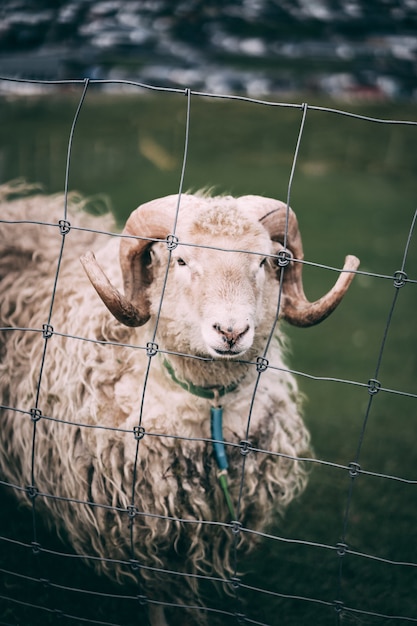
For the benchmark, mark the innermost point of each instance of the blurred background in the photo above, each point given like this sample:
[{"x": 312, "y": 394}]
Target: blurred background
[
  {"x": 354, "y": 191},
  {"x": 350, "y": 48}
]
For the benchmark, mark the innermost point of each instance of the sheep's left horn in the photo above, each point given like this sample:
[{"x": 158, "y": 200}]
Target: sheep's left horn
[
  {"x": 299, "y": 311},
  {"x": 295, "y": 307}
]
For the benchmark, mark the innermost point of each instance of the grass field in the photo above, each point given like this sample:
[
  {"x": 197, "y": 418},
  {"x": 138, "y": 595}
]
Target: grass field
[{"x": 354, "y": 191}]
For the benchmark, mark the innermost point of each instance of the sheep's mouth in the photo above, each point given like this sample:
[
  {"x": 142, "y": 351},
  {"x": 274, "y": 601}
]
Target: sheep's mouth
[{"x": 229, "y": 353}]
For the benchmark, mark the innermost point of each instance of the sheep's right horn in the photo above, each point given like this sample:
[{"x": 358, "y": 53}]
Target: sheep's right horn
[
  {"x": 122, "y": 309},
  {"x": 149, "y": 222}
]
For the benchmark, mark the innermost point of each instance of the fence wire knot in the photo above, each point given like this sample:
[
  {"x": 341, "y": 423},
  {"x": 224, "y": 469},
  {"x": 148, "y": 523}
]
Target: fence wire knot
[
  {"x": 47, "y": 331},
  {"x": 134, "y": 565},
  {"x": 138, "y": 432},
  {"x": 284, "y": 257},
  {"x": 151, "y": 348},
  {"x": 172, "y": 242},
  {"x": 261, "y": 364},
  {"x": 36, "y": 547},
  {"x": 245, "y": 447},
  {"x": 400, "y": 279},
  {"x": 32, "y": 491},
  {"x": 241, "y": 618},
  {"x": 341, "y": 548},
  {"x": 235, "y": 582},
  {"x": 143, "y": 600},
  {"x": 64, "y": 227},
  {"x": 373, "y": 386},
  {"x": 132, "y": 511},
  {"x": 35, "y": 414},
  {"x": 236, "y": 526},
  {"x": 338, "y": 606},
  {"x": 354, "y": 469}
]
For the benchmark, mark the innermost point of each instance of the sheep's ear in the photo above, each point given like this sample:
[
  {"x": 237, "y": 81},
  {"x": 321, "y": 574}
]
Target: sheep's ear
[{"x": 148, "y": 224}]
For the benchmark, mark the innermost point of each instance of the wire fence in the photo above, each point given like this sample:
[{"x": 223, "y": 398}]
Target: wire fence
[{"x": 49, "y": 590}]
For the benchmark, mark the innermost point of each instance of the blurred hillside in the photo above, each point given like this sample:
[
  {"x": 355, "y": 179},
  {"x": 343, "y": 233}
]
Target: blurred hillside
[{"x": 342, "y": 48}]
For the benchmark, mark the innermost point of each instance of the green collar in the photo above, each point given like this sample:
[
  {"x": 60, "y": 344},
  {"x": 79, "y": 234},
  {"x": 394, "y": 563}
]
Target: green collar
[{"x": 210, "y": 393}]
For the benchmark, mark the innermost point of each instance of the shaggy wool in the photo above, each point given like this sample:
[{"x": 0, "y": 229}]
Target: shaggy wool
[{"x": 118, "y": 454}]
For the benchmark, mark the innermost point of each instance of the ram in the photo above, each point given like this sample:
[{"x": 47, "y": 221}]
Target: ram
[{"x": 135, "y": 426}]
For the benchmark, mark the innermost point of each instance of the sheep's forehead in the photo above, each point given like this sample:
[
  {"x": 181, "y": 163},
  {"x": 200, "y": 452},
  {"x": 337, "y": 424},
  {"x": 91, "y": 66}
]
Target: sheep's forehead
[{"x": 221, "y": 221}]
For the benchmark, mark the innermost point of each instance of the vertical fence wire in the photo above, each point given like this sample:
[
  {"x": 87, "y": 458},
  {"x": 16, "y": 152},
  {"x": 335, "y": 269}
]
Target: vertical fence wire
[
  {"x": 152, "y": 348},
  {"x": 36, "y": 414},
  {"x": 263, "y": 364},
  {"x": 374, "y": 387}
]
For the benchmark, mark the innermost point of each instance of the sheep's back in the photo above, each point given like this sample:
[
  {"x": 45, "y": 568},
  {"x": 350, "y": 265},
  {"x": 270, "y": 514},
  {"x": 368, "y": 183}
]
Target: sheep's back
[{"x": 30, "y": 247}]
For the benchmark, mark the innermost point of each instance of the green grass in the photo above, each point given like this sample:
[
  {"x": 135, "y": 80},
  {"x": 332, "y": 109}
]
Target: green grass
[{"x": 354, "y": 191}]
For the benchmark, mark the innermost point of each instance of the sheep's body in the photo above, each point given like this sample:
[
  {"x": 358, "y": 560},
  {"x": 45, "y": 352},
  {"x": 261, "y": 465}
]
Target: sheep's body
[{"x": 90, "y": 383}]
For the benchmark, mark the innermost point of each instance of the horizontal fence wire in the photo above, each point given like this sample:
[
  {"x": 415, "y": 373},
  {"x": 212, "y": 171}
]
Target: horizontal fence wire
[{"x": 342, "y": 610}]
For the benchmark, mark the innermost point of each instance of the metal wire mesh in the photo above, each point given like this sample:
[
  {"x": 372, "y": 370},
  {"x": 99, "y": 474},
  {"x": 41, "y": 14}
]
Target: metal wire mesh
[{"x": 353, "y": 471}]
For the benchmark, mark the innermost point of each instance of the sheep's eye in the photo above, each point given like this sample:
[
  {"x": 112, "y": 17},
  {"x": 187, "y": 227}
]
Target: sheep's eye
[
  {"x": 262, "y": 263},
  {"x": 181, "y": 261}
]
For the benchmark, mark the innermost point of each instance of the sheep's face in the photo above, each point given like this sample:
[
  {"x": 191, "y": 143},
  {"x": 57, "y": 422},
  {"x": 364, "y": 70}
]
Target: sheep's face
[
  {"x": 215, "y": 289},
  {"x": 215, "y": 305}
]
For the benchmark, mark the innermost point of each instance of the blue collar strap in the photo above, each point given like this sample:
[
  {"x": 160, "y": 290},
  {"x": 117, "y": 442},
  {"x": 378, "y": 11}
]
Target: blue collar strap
[{"x": 216, "y": 422}]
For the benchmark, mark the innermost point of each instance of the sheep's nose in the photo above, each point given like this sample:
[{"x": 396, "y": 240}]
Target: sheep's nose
[{"x": 229, "y": 334}]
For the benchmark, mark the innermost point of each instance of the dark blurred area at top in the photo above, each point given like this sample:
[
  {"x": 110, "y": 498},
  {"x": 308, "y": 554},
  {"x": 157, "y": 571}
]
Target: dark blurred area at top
[{"x": 357, "y": 49}]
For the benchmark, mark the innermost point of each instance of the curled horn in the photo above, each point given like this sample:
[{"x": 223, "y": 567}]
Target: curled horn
[
  {"x": 295, "y": 307},
  {"x": 149, "y": 221}
]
